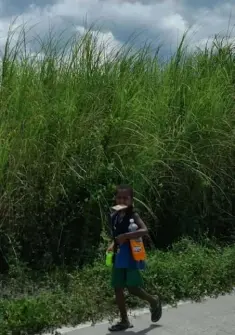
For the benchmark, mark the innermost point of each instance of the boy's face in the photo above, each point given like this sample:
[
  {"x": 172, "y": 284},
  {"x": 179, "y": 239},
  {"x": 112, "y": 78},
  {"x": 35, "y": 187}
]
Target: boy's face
[{"x": 123, "y": 198}]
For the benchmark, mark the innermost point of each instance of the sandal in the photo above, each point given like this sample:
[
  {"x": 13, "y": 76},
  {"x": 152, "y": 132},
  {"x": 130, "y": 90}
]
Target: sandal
[
  {"x": 156, "y": 311},
  {"x": 120, "y": 326}
]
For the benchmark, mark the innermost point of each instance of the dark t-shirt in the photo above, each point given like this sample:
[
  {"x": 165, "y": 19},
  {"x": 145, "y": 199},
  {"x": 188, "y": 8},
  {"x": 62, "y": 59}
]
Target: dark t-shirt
[{"x": 123, "y": 255}]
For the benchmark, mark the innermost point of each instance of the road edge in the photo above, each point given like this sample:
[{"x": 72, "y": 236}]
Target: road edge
[{"x": 133, "y": 313}]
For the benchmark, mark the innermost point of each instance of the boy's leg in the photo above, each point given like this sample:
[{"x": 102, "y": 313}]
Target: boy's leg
[
  {"x": 142, "y": 294},
  {"x": 119, "y": 283},
  {"x": 134, "y": 284},
  {"x": 120, "y": 300}
]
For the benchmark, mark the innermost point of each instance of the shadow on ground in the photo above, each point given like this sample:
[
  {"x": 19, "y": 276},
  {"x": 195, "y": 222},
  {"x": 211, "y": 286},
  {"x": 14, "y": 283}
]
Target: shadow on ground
[{"x": 138, "y": 332}]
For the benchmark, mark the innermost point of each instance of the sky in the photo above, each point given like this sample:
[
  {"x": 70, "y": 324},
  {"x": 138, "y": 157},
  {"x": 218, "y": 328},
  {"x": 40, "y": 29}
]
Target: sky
[{"x": 156, "y": 21}]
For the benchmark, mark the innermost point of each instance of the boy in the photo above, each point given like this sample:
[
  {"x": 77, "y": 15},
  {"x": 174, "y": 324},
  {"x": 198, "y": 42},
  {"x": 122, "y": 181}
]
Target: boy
[{"x": 126, "y": 270}]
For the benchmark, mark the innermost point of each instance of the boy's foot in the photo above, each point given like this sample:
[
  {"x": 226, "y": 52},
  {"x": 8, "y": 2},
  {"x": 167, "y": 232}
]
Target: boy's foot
[
  {"x": 120, "y": 326},
  {"x": 156, "y": 311}
]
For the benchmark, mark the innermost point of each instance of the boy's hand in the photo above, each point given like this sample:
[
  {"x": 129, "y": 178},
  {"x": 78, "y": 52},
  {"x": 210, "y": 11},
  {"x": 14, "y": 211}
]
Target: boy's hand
[
  {"x": 110, "y": 248},
  {"x": 121, "y": 239}
]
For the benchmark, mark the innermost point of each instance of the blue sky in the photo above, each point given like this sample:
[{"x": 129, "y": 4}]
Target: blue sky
[{"x": 156, "y": 20}]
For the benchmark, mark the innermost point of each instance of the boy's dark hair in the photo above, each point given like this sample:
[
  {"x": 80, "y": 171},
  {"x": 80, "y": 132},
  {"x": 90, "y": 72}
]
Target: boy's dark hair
[{"x": 127, "y": 188}]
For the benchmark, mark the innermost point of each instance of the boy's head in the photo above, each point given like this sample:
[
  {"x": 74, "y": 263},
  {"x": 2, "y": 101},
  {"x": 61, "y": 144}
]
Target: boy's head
[{"x": 124, "y": 195}]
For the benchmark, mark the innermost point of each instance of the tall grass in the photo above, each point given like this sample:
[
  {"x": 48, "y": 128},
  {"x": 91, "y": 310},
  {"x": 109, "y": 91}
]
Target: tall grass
[{"x": 74, "y": 122}]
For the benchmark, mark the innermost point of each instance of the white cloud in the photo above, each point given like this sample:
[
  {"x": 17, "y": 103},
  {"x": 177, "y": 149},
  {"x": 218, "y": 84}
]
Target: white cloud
[
  {"x": 105, "y": 41},
  {"x": 157, "y": 21}
]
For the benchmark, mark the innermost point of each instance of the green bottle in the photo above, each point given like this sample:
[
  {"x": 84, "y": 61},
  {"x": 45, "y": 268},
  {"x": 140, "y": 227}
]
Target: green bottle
[{"x": 109, "y": 258}]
